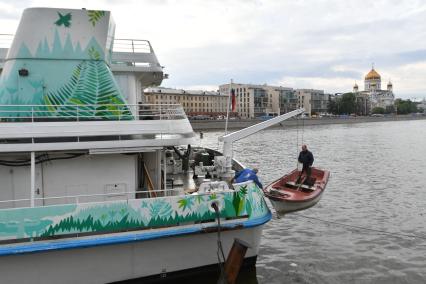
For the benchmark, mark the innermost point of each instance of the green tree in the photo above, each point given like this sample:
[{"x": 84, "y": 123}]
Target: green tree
[
  {"x": 378, "y": 110},
  {"x": 347, "y": 103},
  {"x": 405, "y": 106},
  {"x": 332, "y": 106}
]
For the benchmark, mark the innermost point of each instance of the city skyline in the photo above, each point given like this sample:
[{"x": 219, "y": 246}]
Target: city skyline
[{"x": 326, "y": 45}]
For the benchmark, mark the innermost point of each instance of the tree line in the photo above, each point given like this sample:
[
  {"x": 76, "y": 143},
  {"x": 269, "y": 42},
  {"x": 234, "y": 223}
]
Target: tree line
[{"x": 347, "y": 104}]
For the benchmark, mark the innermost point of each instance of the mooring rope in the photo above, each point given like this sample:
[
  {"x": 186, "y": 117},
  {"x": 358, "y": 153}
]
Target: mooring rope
[
  {"x": 219, "y": 243},
  {"x": 393, "y": 234},
  {"x": 297, "y": 143}
]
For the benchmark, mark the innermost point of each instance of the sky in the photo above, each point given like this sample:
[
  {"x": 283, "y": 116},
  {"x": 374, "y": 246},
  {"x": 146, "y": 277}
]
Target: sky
[{"x": 320, "y": 44}]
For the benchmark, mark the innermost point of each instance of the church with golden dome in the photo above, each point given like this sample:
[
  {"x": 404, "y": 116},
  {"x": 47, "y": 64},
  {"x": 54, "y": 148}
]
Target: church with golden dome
[{"x": 373, "y": 96}]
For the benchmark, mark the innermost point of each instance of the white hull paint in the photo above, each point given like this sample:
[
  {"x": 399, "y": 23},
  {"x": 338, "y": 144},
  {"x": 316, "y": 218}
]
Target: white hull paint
[
  {"x": 110, "y": 263},
  {"x": 283, "y": 207}
]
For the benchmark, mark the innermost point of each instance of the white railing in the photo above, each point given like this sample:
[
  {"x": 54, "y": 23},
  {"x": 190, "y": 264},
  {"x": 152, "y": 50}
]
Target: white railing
[
  {"x": 120, "y": 44},
  {"x": 139, "y": 50},
  {"x": 132, "y": 45},
  {"x": 76, "y": 199},
  {"x": 90, "y": 112},
  {"x": 96, "y": 198}
]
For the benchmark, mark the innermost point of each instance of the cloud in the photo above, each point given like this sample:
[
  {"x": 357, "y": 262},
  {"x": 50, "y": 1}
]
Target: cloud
[
  {"x": 409, "y": 77},
  {"x": 339, "y": 84},
  {"x": 327, "y": 44}
]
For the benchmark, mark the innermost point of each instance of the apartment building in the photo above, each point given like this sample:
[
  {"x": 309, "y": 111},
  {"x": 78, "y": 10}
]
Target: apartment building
[
  {"x": 194, "y": 102},
  {"x": 261, "y": 100},
  {"x": 313, "y": 101}
]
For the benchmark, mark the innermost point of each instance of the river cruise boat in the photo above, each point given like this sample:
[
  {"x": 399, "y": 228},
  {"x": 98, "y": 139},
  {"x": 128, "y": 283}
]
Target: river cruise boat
[{"x": 96, "y": 186}]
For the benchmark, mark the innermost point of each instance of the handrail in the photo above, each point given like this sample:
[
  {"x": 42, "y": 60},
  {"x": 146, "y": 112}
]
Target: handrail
[
  {"x": 14, "y": 113},
  {"x": 140, "y": 50},
  {"x": 88, "y": 195},
  {"x": 77, "y": 197},
  {"x": 119, "y": 45},
  {"x": 132, "y": 45}
]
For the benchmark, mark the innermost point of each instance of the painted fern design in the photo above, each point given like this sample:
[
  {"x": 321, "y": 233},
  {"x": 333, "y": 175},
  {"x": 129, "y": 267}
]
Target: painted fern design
[
  {"x": 186, "y": 203},
  {"x": 95, "y": 16},
  {"x": 239, "y": 200},
  {"x": 90, "y": 84},
  {"x": 90, "y": 224},
  {"x": 94, "y": 54},
  {"x": 160, "y": 208}
]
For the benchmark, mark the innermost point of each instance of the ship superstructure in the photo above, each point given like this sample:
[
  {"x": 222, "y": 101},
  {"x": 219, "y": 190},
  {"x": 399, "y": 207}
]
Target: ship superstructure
[{"x": 96, "y": 186}]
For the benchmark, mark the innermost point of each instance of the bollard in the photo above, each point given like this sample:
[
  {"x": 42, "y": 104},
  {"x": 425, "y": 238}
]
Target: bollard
[{"x": 235, "y": 260}]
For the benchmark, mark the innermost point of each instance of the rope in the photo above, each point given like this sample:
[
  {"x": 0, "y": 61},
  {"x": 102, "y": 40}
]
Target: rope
[
  {"x": 393, "y": 234},
  {"x": 297, "y": 143},
  {"x": 219, "y": 244}
]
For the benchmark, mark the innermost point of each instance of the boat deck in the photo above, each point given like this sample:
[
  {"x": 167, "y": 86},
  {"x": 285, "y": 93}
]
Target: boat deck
[
  {"x": 287, "y": 188},
  {"x": 36, "y": 128}
]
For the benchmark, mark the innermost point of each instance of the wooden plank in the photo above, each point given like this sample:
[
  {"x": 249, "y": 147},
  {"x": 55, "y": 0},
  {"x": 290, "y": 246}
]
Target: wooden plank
[{"x": 152, "y": 193}]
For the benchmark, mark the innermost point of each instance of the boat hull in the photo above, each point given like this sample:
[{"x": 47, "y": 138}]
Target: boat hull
[
  {"x": 283, "y": 207},
  {"x": 100, "y": 243},
  {"x": 112, "y": 263},
  {"x": 286, "y": 195}
]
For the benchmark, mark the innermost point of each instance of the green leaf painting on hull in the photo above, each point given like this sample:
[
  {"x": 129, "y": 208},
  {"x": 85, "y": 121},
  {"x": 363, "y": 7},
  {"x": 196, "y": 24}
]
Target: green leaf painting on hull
[
  {"x": 81, "y": 86},
  {"x": 94, "y": 54},
  {"x": 92, "y": 90},
  {"x": 240, "y": 199},
  {"x": 185, "y": 203},
  {"x": 66, "y": 220},
  {"x": 95, "y": 16},
  {"x": 160, "y": 208},
  {"x": 64, "y": 20}
]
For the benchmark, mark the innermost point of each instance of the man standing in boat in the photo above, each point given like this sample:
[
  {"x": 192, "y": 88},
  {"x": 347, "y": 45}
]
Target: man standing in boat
[
  {"x": 307, "y": 159},
  {"x": 248, "y": 174}
]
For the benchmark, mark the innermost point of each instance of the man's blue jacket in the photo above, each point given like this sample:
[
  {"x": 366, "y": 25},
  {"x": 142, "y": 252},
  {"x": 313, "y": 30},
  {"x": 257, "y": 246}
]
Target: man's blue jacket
[{"x": 247, "y": 174}]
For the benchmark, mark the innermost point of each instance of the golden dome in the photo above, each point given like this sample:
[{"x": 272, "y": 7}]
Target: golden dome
[{"x": 372, "y": 75}]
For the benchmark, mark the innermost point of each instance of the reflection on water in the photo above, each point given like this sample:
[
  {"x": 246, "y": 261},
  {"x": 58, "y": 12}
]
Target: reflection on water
[
  {"x": 378, "y": 181},
  {"x": 246, "y": 276}
]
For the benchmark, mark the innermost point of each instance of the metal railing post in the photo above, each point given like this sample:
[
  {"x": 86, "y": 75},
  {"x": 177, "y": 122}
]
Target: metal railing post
[
  {"x": 32, "y": 181},
  {"x": 121, "y": 112},
  {"x": 133, "y": 51}
]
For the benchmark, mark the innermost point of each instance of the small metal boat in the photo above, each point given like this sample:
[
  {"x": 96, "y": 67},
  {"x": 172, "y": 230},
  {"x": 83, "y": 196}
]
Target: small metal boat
[{"x": 293, "y": 193}]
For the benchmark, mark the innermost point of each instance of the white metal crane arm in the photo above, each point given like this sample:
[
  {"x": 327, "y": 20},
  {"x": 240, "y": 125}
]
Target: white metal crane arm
[{"x": 237, "y": 135}]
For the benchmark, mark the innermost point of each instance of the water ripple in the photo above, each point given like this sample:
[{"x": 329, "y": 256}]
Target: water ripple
[{"x": 378, "y": 177}]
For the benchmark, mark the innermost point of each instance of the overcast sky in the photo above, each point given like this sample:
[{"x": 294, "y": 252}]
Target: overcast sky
[{"x": 322, "y": 44}]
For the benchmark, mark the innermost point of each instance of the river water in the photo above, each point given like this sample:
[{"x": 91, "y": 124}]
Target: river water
[{"x": 370, "y": 225}]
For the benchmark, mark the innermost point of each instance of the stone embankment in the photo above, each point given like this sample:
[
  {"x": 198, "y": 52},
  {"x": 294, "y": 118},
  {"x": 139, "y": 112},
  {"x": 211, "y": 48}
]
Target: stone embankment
[{"x": 202, "y": 125}]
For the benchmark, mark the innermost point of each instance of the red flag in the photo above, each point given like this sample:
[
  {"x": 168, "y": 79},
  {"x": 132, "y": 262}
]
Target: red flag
[{"x": 233, "y": 99}]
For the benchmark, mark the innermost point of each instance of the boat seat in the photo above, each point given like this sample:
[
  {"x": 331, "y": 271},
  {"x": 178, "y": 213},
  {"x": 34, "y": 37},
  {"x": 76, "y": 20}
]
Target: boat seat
[
  {"x": 275, "y": 191},
  {"x": 292, "y": 184}
]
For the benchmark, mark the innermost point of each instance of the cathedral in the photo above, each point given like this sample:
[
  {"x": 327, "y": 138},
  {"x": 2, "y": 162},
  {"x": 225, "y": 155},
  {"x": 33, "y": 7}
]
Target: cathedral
[{"x": 373, "y": 96}]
